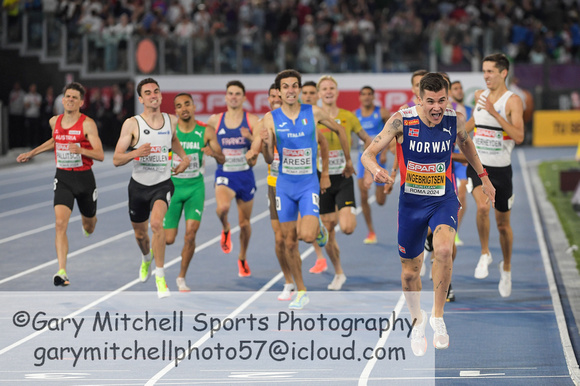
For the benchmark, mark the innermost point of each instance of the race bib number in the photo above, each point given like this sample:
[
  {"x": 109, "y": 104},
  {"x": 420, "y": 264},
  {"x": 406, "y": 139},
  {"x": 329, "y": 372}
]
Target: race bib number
[
  {"x": 488, "y": 142},
  {"x": 425, "y": 179},
  {"x": 297, "y": 161},
  {"x": 65, "y": 159},
  {"x": 336, "y": 162},
  {"x": 157, "y": 160},
  {"x": 235, "y": 160},
  {"x": 193, "y": 169},
  {"x": 222, "y": 181},
  {"x": 275, "y": 165}
]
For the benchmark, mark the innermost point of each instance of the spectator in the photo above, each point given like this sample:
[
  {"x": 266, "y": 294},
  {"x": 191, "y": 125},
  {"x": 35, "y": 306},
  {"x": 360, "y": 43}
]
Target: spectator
[
  {"x": 16, "y": 116},
  {"x": 47, "y": 112},
  {"x": 32, "y": 128},
  {"x": 310, "y": 57}
]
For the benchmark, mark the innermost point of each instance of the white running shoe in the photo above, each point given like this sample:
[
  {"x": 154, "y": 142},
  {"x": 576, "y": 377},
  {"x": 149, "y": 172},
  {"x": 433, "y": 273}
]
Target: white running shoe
[
  {"x": 505, "y": 283},
  {"x": 440, "y": 336},
  {"x": 180, "y": 281},
  {"x": 287, "y": 292},
  {"x": 418, "y": 340},
  {"x": 337, "y": 282},
  {"x": 481, "y": 270}
]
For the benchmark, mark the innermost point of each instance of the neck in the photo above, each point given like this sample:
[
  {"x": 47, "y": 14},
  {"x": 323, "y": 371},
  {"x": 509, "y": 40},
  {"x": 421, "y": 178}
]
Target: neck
[
  {"x": 186, "y": 126},
  {"x": 71, "y": 115},
  {"x": 367, "y": 109},
  {"x": 331, "y": 109}
]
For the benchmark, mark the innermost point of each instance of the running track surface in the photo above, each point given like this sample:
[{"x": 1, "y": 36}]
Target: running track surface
[{"x": 494, "y": 340}]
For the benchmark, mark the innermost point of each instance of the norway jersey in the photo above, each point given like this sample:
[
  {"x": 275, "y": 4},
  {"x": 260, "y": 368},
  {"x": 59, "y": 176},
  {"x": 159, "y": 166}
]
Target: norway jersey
[
  {"x": 494, "y": 146},
  {"x": 63, "y": 137},
  {"x": 296, "y": 144},
  {"x": 373, "y": 124},
  {"x": 156, "y": 167},
  {"x": 425, "y": 156},
  {"x": 234, "y": 145},
  {"x": 192, "y": 143}
]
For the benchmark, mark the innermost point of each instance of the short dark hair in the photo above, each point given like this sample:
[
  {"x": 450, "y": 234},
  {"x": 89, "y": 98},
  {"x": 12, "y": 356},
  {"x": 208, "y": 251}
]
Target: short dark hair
[
  {"x": 309, "y": 83},
  {"x": 447, "y": 78},
  {"x": 433, "y": 81},
  {"x": 236, "y": 83},
  {"x": 367, "y": 88},
  {"x": 144, "y": 82},
  {"x": 75, "y": 86},
  {"x": 288, "y": 74},
  {"x": 182, "y": 94},
  {"x": 272, "y": 87},
  {"x": 418, "y": 73},
  {"x": 455, "y": 82},
  {"x": 501, "y": 61}
]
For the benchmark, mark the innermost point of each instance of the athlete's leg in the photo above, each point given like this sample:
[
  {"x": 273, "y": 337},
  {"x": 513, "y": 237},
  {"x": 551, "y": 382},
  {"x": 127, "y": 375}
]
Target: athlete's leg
[
  {"x": 89, "y": 223},
  {"x": 366, "y": 208},
  {"x": 223, "y": 198},
  {"x": 244, "y": 214},
  {"x": 482, "y": 218},
  {"x": 329, "y": 220},
  {"x": 280, "y": 249},
  {"x": 347, "y": 219},
  {"x": 443, "y": 245},
  {"x": 62, "y": 216},
  {"x": 411, "y": 284},
  {"x": 506, "y": 237},
  {"x": 191, "y": 228},
  {"x": 158, "y": 238},
  {"x": 142, "y": 236},
  {"x": 290, "y": 235},
  {"x": 462, "y": 196}
]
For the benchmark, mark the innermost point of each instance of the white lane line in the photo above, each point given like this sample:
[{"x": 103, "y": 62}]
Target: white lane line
[
  {"x": 51, "y": 226},
  {"x": 69, "y": 256},
  {"x": 571, "y": 360},
  {"x": 364, "y": 377},
  {"x": 99, "y": 211},
  {"x": 173, "y": 364},
  {"x": 260, "y": 216},
  {"x": 104, "y": 189}
]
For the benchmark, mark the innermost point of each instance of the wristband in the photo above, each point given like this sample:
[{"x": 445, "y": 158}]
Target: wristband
[{"x": 483, "y": 174}]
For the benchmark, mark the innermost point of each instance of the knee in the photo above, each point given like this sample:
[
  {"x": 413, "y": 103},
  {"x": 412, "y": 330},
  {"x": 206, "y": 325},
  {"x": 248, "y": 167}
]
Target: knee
[
  {"x": 408, "y": 276},
  {"x": 381, "y": 200},
  {"x": 245, "y": 225},
  {"x": 348, "y": 226},
  {"x": 189, "y": 239},
  {"x": 157, "y": 226},
  {"x": 503, "y": 227},
  {"x": 279, "y": 240},
  {"x": 60, "y": 225},
  {"x": 90, "y": 225},
  {"x": 291, "y": 245},
  {"x": 222, "y": 209},
  {"x": 169, "y": 240},
  {"x": 443, "y": 254}
]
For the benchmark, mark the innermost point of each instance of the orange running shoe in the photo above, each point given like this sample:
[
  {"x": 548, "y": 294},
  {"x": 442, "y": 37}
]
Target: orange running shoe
[
  {"x": 244, "y": 268},
  {"x": 371, "y": 238},
  {"x": 226, "y": 242},
  {"x": 319, "y": 267}
]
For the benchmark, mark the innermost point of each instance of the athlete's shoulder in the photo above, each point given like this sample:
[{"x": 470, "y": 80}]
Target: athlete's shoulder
[{"x": 200, "y": 123}]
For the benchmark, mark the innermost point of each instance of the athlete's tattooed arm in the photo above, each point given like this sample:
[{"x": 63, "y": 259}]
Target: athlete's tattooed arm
[{"x": 392, "y": 129}]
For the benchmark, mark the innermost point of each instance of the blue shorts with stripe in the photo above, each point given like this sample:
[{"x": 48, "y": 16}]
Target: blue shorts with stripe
[
  {"x": 292, "y": 198},
  {"x": 414, "y": 220}
]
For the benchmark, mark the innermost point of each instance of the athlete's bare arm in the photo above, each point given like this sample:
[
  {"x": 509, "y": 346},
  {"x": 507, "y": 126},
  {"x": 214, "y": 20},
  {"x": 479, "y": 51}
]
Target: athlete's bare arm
[
  {"x": 514, "y": 125},
  {"x": 468, "y": 149},
  {"x": 127, "y": 139},
  {"x": 256, "y": 147},
  {"x": 392, "y": 129},
  {"x": 212, "y": 147},
  {"x": 46, "y": 146},
  {"x": 177, "y": 148},
  {"x": 92, "y": 135},
  {"x": 324, "y": 175},
  {"x": 470, "y": 125},
  {"x": 268, "y": 138}
]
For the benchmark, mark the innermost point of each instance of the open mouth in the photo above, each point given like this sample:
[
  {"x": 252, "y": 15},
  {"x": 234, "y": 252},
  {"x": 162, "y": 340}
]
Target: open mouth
[{"x": 436, "y": 116}]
